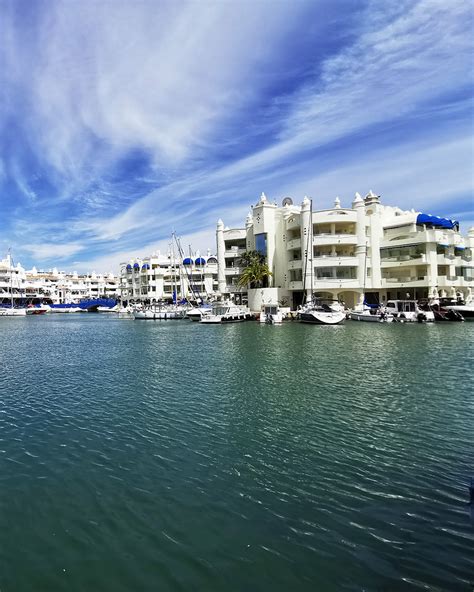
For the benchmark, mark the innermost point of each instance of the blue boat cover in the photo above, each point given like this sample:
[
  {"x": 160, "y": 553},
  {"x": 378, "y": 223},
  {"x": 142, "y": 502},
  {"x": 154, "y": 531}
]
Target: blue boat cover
[{"x": 437, "y": 221}]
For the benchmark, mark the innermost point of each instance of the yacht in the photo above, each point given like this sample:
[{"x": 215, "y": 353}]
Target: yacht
[
  {"x": 466, "y": 310},
  {"x": 371, "y": 314},
  {"x": 271, "y": 314},
  {"x": 226, "y": 313},
  {"x": 12, "y": 312},
  {"x": 321, "y": 312},
  {"x": 195, "y": 314},
  {"x": 408, "y": 311},
  {"x": 160, "y": 313}
]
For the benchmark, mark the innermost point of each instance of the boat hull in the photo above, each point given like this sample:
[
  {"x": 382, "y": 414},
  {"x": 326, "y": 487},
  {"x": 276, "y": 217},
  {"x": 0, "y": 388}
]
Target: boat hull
[
  {"x": 370, "y": 318},
  {"x": 322, "y": 318}
]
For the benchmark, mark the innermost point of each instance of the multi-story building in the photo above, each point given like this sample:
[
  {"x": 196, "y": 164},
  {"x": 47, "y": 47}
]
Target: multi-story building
[
  {"x": 368, "y": 251},
  {"x": 53, "y": 285},
  {"x": 165, "y": 277}
]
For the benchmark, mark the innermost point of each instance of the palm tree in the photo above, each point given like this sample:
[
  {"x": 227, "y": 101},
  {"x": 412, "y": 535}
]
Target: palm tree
[{"x": 256, "y": 271}]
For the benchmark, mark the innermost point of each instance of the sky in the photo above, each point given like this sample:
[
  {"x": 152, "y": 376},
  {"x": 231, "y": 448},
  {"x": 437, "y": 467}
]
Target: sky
[{"x": 123, "y": 121}]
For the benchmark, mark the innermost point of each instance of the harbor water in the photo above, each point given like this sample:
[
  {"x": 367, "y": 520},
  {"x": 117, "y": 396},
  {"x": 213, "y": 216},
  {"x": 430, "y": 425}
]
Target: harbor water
[{"x": 172, "y": 456}]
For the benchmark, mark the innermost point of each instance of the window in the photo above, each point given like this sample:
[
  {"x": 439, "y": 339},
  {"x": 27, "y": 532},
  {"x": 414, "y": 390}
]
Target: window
[{"x": 261, "y": 243}]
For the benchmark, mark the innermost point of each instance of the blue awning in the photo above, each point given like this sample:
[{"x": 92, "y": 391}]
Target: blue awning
[
  {"x": 437, "y": 221},
  {"x": 459, "y": 247}
]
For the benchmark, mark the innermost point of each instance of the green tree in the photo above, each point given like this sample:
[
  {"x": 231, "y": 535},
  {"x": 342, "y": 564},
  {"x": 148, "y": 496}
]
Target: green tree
[{"x": 256, "y": 272}]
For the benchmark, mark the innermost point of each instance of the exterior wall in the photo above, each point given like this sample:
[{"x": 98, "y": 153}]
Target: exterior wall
[
  {"x": 54, "y": 285},
  {"x": 161, "y": 277},
  {"x": 366, "y": 251}
]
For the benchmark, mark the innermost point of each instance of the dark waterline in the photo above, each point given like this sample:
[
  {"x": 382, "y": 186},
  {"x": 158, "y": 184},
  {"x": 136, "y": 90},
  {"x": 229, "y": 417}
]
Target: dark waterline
[{"x": 174, "y": 456}]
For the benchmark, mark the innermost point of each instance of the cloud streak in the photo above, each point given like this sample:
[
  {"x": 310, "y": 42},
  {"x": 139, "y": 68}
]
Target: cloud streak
[{"x": 131, "y": 123}]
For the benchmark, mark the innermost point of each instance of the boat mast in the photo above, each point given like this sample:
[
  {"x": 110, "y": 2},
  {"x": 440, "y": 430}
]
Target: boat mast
[{"x": 310, "y": 233}]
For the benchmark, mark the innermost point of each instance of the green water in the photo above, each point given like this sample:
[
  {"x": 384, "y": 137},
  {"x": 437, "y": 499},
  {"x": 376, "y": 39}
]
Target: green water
[{"x": 174, "y": 456}]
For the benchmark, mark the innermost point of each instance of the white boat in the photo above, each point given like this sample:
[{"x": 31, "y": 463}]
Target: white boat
[
  {"x": 408, "y": 311},
  {"x": 12, "y": 312},
  {"x": 320, "y": 312},
  {"x": 195, "y": 314},
  {"x": 271, "y": 314},
  {"x": 466, "y": 310},
  {"x": 115, "y": 308},
  {"x": 226, "y": 313},
  {"x": 371, "y": 315},
  {"x": 160, "y": 313},
  {"x": 37, "y": 309}
]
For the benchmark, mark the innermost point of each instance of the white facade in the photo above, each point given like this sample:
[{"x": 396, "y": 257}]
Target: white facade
[
  {"x": 165, "y": 277},
  {"x": 53, "y": 285},
  {"x": 366, "y": 251}
]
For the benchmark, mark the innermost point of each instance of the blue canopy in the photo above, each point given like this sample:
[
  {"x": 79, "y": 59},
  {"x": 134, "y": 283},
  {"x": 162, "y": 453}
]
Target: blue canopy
[
  {"x": 200, "y": 261},
  {"x": 145, "y": 266},
  {"x": 136, "y": 266},
  {"x": 437, "y": 221},
  {"x": 187, "y": 261},
  {"x": 129, "y": 267}
]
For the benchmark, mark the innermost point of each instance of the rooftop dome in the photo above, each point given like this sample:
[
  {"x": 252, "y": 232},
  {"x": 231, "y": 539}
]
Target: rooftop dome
[
  {"x": 136, "y": 266},
  {"x": 212, "y": 260},
  {"x": 146, "y": 266},
  {"x": 129, "y": 267},
  {"x": 187, "y": 261},
  {"x": 200, "y": 261}
]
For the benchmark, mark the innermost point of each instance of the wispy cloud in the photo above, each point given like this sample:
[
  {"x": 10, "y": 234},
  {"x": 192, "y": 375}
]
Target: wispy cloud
[{"x": 132, "y": 122}]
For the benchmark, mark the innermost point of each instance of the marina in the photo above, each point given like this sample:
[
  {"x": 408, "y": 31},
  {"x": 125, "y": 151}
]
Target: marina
[{"x": 287, "y": 459}]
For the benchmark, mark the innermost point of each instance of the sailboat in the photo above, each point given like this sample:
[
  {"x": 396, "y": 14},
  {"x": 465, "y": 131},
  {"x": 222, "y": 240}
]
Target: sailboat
[{"x": 318, "y": 311}]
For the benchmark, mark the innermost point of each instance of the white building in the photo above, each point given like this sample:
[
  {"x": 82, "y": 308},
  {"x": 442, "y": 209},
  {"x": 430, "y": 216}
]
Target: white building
[
  {"x": 367, "y": 251},
  {"x": 166, "y": 277},
  {"x": 53, "y": 285}
]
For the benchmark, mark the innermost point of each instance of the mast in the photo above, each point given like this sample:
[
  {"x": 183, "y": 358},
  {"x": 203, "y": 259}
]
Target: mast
[{"x": 310, "y": 233}]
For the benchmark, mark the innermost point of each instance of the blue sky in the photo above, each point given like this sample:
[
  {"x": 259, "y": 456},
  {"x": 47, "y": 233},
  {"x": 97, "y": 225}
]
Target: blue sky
[{"x": 122, "y": 121}]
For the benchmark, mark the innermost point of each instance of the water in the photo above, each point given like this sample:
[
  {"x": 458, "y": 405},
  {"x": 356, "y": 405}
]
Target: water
[{"x": 174, "y": 456}]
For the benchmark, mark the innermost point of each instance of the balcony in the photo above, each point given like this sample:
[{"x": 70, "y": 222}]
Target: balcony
[
  {"x": 295, "y": 264},
  {"x": 334, "y": 261},
  {"x": 294, "y": 243},
  {"x": 234, "y": 289},
  {"x": 335, "y": 283},
  {"x": 405, "y": 261},
  {"x": 233, "y": 270},
  {"x": 415, "y": 281},
  {"x": 234, "y": 252},
  {"x": 298, "y": 285},
  {"x": 334, "y": 239}
]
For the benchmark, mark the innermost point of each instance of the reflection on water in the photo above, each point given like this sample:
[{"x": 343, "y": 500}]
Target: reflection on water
[{"x": 175, "y": 456}]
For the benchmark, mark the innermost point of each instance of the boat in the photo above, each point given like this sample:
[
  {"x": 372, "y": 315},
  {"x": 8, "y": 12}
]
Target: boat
[
  {"x": 12, "y": 312},
  {"x": 465, "y": 309},
  {"x": 226, "y": 313},
  {"x": 441, "y": 313},
  {"x": 320, "y": 312},
  {"x": 195, "y": 314},
  {"x": 408, "y": 311},
  {"x": 271, "y": 314},
  {"x": 115, "y": 308},
  {"x": 371, "y": 314},
  {"x": 37, "y": 309},
  {"x": 160, "y": 313}
]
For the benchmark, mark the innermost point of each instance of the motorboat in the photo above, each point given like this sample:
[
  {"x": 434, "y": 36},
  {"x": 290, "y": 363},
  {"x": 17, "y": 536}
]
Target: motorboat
[
  {"x": 320, "y": 312},
  {"x": 408, "y": 311},
  {"x": 195, "y": 314},
  {"x": 371, "y": 314},
  {"x": 465, "y": 309},
  {"x": 441, "y": 313},
  {"x": 115, "y": 308},
  {"x": 33, "y": 309},
  {"x": 12, "y": 312},
  {"x": 160, "y": 313},
  {"x": 271, "y": 314},
  {"x": 226, "y": 313}
]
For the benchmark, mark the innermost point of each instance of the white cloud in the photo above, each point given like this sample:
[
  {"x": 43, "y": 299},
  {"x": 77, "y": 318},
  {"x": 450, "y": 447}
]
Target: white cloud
[{"x": 53, "y": 251}]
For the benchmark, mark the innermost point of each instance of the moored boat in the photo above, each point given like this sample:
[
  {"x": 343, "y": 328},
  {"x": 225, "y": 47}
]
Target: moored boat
[
  {"x": 369, "y": 314},
  {"x": 226, "y": 313},
  {"x": 271, "y": 314},
  {"x": 320, "y": 312},
  {"x": 408, "y": 311}
]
